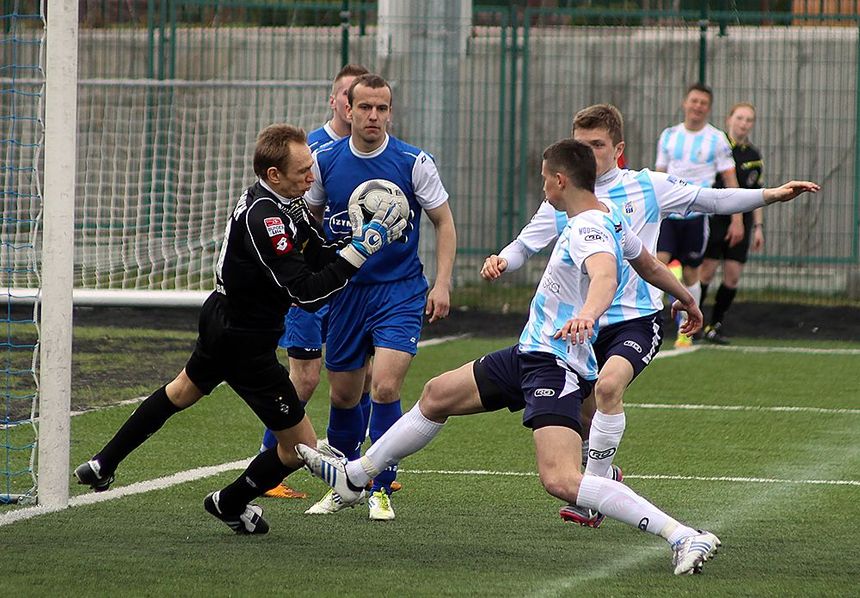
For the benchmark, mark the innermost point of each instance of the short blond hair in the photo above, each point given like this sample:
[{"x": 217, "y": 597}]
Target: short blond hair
[{"x": 742, "y": 105}]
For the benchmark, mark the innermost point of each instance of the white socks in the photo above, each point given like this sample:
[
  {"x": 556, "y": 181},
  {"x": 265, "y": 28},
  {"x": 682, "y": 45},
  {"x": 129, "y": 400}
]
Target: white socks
[
  {"x": 617, "y": 501},
  {"x": 696, "y": 291},
  {"x": 603, "y": 441},
  {"x": 408, "y": 435}
]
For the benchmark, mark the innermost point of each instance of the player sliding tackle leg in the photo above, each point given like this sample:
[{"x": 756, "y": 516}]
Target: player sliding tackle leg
[{"x": 551, "y": 370}]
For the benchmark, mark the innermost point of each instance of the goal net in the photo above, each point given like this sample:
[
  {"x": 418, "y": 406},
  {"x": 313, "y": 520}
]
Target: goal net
[{"x": 21, "y": 90}]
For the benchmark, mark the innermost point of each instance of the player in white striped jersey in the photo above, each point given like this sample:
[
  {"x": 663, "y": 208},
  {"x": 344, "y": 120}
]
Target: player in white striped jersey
[
  {"x": 696, "y": 152},
  {"x": 631, "y": 329},
  {"x": 549, "y": 373}
]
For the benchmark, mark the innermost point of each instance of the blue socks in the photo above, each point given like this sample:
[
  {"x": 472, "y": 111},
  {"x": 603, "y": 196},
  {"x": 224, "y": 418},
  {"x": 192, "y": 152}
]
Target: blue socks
[
  {"x": 346, "y": 431},
  {"x": 382, "y": 417},
  {"x": 365, "y": 404}
]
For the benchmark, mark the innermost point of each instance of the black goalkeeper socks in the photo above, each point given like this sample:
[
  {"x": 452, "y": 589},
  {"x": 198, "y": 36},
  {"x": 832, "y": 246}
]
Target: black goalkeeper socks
[
  {"x": 722, "y": 302},
  {"x": 143, "y": 423},
  {"x": 263, "y": 473}
]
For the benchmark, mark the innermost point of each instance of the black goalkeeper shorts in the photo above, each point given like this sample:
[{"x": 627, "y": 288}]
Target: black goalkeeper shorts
[{"x": 248, "y": 362}]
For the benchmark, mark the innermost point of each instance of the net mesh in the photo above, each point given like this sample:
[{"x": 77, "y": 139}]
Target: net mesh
[{"x": 21, "y": 94}]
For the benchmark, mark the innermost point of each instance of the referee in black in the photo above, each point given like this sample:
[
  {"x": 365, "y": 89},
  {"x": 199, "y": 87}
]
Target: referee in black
[
  {"x": 724, "y": 243},
  {"x": 273, "y": 255}
]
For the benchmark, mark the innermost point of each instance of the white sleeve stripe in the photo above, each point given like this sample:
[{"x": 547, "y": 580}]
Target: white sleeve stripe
[{"x": 262, "y": 261}]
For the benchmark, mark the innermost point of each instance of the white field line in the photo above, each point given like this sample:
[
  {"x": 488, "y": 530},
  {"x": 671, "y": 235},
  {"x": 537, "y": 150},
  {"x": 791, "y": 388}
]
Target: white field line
[
  {"x": 204, "y": 472},
  {"x": 776, "y": 408},
  {"x": 802, "y": 350}
]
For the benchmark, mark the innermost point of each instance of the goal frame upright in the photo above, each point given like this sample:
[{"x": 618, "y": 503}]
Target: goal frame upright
[{"x": 57, "y": 267}]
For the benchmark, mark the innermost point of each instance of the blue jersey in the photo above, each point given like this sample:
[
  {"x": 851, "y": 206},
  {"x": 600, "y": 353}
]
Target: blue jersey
[
  {"x": 339, "y": 168},
  {"x": 321, "y": 136}
]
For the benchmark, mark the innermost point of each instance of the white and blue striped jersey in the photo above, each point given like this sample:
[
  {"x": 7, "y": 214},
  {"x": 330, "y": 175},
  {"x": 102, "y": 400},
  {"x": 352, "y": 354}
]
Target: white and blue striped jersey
[
  {"x": 563, "y": 287},
  {"x": 644, "y": 197},
  {"x": 339, "y": 168},
  {"x": 695, "y": 156},
  {"x": 319, "y": 137}
]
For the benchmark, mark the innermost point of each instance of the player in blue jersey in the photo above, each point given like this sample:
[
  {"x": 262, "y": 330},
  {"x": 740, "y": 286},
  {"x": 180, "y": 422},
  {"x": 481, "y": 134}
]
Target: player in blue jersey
[
  {"x": 550, "y": 371},
  {"x": 304, "y": 333},
  {"x": 696, "y": 152},
  {"x": 631, "y": 329},
  {"x": 382, "y": 311}
]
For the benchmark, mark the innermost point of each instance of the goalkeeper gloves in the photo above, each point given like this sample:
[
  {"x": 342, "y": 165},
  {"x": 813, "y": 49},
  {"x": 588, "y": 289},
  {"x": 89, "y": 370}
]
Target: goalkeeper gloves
[{"x": 386, "y": 226}]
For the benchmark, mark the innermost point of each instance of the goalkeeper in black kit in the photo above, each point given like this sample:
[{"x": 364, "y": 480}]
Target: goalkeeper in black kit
[{"x": 272, "y": 256}]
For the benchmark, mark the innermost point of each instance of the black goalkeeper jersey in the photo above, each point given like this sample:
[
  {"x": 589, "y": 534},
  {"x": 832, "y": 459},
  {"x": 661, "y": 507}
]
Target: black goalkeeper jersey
[
  {"x": 269, "y": 262},
  {"x": 748, "y": 166}
]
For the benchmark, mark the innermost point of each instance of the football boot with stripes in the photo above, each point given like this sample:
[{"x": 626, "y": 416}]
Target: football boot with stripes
[
  {"x": 690, "y": 553},
  {"x": 331, "y": 469},
  {"x": 89, "y": 474},
  {"x": 249, "y": 521}
]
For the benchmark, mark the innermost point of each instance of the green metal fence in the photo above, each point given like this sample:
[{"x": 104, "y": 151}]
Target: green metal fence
[{"x": 484, "y": 97}]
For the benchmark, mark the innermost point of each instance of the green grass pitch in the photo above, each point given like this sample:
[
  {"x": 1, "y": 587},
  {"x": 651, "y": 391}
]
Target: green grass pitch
[{"x": 481, "y": 534}]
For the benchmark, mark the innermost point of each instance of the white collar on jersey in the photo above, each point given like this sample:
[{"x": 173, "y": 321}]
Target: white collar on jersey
[
  {"x": 368, "y": 155},
  {"x": 277, "y": 195},
  {"x": 331, "y": 132},
  {"x": 608, "y": 176}
]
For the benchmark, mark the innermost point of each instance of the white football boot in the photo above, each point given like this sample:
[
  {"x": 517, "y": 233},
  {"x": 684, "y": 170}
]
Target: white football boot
[{"x": 690, "y": 553}]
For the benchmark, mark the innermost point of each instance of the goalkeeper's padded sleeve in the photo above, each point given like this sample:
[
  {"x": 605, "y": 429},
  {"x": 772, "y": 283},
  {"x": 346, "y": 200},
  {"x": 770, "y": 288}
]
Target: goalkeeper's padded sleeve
[{"x": 727, "y": 201}]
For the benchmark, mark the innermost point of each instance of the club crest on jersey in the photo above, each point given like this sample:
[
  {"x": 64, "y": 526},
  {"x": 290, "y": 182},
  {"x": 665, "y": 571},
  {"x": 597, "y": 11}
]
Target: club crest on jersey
[
  {"x": 274, "y": 226},
  {"x": 628, "y": 207}
]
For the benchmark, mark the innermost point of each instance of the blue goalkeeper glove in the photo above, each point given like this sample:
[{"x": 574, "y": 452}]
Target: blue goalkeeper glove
[{"x": 386, "y": 226}]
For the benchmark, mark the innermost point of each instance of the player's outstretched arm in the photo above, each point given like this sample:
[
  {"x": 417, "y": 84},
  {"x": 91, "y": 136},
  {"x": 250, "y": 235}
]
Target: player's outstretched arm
[
  {"x": 789, "y": 191},
  {"x": 493, "y": 267},
  {"x": 601, "y": 269},
  {"x": 655, "y": 273}
]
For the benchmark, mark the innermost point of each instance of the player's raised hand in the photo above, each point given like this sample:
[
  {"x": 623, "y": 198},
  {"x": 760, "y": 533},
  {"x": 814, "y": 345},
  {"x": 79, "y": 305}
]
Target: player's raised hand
[
  {"x": 386, "y": 226},
  {"x": 493, "y": 267},
  {"x": 577, "y": 330},
  {"x": 694, "y": 320},
  {"x": 789, "y": 191}
]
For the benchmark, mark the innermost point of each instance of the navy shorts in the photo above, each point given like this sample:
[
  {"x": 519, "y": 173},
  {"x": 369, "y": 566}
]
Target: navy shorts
[
  {"x": 362, "y": 317},
  {"x": 247, "y": 360},
  {"x": 534, "y": 382},
  {"x": 637, "y": 341},
  {"x": 305, "y": 332},
  {"x": 684, "y": 240},
  {"x": 718, "y": 248}
]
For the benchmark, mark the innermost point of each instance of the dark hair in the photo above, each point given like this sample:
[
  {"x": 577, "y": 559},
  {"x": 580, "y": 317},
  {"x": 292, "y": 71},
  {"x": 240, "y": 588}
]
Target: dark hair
[
  {"x": 700, "y": 87},
  {"x": 601, "y": 116},
  {"x": 573, "y": 159},
  {"x": 368, "y": 80},
  {"x": 273, "y": 147},
  {"x": 349, "y": 70}
]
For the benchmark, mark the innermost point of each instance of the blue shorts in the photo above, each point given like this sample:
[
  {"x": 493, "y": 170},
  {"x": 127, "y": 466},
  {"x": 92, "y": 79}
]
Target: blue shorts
[
  {"x": 637, "y": 341},
  {"x": 361, "y": 317},
  {"x": 305, "y": 332},
  {"x": 535, "y": 382},
  {"x": 684, "y": 240}
]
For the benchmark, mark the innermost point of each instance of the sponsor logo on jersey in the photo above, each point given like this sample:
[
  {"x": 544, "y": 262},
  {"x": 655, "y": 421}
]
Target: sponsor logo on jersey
[
  {"x": 339, "y": 224},
  {"x": 596, "y": 454},
  {"x": 618, "y": 227},
  {"x": 594, "y": 237},
  {"x": 544, "y": 392},
  {"x": 633, "y": 345},
  {"x": 274, "y": 226},
  {"x": 675, "y": 180},
  {"x": 282, "y": 244}
]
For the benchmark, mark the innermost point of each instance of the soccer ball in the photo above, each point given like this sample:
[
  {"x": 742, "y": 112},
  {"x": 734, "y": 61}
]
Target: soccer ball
[{"x": 370, "y": 194}]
